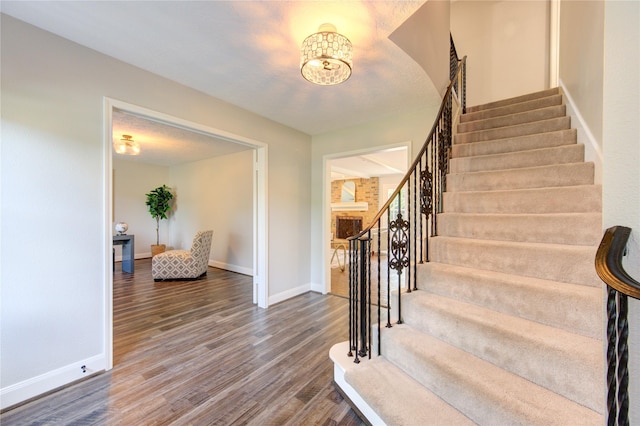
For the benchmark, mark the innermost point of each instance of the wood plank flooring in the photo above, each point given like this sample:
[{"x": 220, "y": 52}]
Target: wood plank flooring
[{"x": 200, "y": 353}]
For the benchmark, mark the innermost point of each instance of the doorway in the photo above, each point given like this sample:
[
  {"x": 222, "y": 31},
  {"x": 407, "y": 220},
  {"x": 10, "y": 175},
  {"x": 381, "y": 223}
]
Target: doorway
[
  {"x": 259, "y": 178},
  {"x": 367, "y": 171}
]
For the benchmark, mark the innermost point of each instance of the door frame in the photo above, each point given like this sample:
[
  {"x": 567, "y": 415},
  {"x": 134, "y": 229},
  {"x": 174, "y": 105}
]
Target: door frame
[
  {"x": 326, "y": 200},
  {"x": 260, "y": 234}
]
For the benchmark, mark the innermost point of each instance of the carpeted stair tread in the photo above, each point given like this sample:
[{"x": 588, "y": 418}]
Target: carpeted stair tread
[
  {"x": 397, "y": 398},
  {"x": 514, "y": 100},
  {"x": 571, "y": 307},
  {"x": 487, "y": 394},
  {"x": 570, "y": 174},
  {"x": 556, "y": 262},
  {"x": 512, "y": 108},
  {"x": 543, "y": 126},
  {"x": 537, "y": 157},
  {"x": 563, "y": 362},
  {"x": 513, "y": 119},
  {"x": 518, "y": 143},
  {"x": 566, "y": 199},
  {"x": 553, "y": 228}
]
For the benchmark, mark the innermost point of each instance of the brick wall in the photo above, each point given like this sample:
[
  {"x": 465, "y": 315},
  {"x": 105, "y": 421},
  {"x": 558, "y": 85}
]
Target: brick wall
[{"x": 366, "y": 190}]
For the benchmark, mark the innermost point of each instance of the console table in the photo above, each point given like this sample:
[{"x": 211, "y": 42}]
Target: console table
[{"x": 127, "y": 243}]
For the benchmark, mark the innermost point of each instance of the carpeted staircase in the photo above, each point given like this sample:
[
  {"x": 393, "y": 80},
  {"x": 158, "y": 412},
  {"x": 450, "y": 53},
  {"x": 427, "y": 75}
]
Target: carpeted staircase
[{"x": 506, "y": 327}]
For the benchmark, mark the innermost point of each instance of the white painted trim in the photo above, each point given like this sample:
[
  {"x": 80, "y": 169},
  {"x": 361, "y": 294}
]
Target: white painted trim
[
  {"x": 107, "y": 111},
  {"x": 261, "y": 232},
  {"x": 261, "y": 276},
  {"x": 30, "y": 388},
  {"x": 230, "y": 267},
  {"x": 281, "y": 297},
  {"x": 326, "y": 203},
  {"x": 592, "y": 151}
]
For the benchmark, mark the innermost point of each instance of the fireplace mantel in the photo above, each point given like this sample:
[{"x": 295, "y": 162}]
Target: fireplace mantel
[{"x": 359, "y": 206}]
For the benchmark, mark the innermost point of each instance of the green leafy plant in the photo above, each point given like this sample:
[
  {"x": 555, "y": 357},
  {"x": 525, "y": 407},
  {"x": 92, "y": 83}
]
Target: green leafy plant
[{"x": 158, "y": 201}]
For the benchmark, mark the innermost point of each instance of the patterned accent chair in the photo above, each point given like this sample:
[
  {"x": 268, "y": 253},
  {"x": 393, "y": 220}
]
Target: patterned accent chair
[{"x": 184, "y": 264}]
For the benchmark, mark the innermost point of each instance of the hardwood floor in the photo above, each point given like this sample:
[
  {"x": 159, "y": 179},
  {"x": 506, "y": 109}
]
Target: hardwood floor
[{"x": 200, "y": 353}]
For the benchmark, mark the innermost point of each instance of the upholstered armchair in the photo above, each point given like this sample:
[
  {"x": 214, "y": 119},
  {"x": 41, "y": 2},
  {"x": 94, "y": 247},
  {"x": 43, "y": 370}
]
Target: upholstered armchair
[{"x": 184, "y": 264}]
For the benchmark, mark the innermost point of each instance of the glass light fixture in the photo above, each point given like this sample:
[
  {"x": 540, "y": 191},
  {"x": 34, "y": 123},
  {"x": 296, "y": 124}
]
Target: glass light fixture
[
  {"x": 326, "y": 57},
  {"x": 126, "y": 146}
]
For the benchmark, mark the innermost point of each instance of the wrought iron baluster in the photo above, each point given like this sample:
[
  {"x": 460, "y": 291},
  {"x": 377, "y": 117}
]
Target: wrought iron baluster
[
  {"x": 379, "y": 295},
  {"x": 398, "y": 258},
  {"x": 363, "y": 297},
  {"x": 612, "y": 383},
  {"x": 388, "y": 268},
  {"x": 356, "y": 287},
  {"x": 623, "y": 360}
]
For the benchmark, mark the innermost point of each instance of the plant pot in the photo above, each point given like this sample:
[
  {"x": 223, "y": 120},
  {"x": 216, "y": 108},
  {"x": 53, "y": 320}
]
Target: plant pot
[{"x": 157, "y": 249}]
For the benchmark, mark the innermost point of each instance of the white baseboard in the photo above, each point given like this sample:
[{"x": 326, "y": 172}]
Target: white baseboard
[
  {"x": 318, "y": 288},
  {"x": 592, "y": 151},
  {"x": 30, "y": 388},
  {"x": 136, "y": 256},
  {"x": 233, "y": 268},
  {"x": 281, "y": 297}
]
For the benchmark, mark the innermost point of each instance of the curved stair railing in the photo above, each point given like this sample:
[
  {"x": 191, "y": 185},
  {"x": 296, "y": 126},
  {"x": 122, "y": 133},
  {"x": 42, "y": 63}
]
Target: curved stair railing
[
  {"x": 408, "y": 219},
  {"x": 620, "y": 286}
]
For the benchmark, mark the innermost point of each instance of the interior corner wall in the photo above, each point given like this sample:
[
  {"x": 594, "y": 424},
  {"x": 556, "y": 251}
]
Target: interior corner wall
[
  {"x": 621, "y": 150},
  {"x": 581, "y": 70},
  {"x": 54, "y": 232},
  {"x": 425, "y": 37},
  {"x": 390, "y": 130},
  {"x": 216, "y": 194},
  {"x": 506, "y": 44},
  {"x": 132, "y": 180}
]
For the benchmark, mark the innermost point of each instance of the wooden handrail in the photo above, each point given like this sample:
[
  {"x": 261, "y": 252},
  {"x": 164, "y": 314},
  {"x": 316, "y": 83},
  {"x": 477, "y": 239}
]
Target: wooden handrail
[{"x": 608, "y": 261}]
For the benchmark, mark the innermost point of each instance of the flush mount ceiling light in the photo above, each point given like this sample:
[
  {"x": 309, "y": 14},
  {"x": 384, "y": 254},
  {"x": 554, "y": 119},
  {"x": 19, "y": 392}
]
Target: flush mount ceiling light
[
  {"x": 326, "y": 57},
  {"x": 126, "y": 146}
]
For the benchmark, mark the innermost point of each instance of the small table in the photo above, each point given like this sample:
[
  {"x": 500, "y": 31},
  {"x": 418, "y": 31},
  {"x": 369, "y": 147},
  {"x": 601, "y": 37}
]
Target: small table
[{"x": 127, "y": 243}]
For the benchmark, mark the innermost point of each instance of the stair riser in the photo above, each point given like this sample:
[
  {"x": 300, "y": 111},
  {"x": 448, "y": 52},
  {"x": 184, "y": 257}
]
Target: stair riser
[
  {"x": 572, "y": 199},
  {"x": 514, "y": 100},
  {"x": 515, "y": 160},
  {"x": 569, "y": 371},
  {"x": 573, "y": 308},
  {"x": 522, "y": 143},
  {"x": 558, "y": 228},
  {"x": 512, "y": 109},
  {"x": 535, "y": 177},
  {"x": 551, "y": 125},
  {"x": 486, "y": 394},
  {"x": 571, "y": 264},
  {"x": 513, "y": 119}
]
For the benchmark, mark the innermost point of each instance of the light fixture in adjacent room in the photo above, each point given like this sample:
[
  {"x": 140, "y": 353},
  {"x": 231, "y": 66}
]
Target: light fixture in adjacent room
[
  {"x": 126, "y": 146},
  {"x": 326, "y": 57}
]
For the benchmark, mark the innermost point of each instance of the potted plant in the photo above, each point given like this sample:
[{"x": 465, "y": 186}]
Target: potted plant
[{"x": 158, "y": 203}]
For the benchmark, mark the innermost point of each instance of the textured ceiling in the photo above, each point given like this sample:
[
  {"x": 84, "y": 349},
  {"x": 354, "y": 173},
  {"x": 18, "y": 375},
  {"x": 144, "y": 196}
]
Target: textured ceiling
[{"x": 247, "y": 53}]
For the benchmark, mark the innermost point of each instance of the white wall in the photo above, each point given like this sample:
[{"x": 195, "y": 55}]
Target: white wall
[
  {"x": 216, "y": 194},
  {"x": 425, "y": 37},
  {"x": 54, "y": 275},
  {"x": 621, "y": 149},
  {"x": 131, "y": 182},
  {"x": 507, "y": 44},
  {"x": 392, "y": 130},
  {"x": 581, "y": 71}
]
